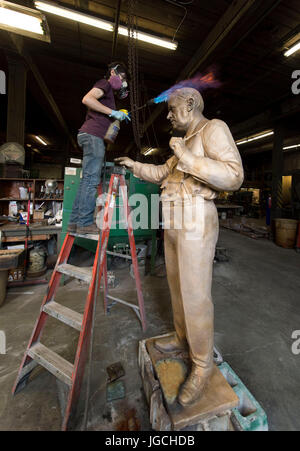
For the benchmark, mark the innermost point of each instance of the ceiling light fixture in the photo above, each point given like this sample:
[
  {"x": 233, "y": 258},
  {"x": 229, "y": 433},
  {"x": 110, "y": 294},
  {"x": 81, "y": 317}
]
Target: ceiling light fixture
[
  {"x": 150, "y": 39},
  {"x": 103, "y": 24},
  {"x": 150, "y": 150},
  {"x": 41, "y": 140},
  {"x": 292, "y": 50},
  {"x": 25, "y": 21},
  {"x": 73, "y": 15},
  {"x": 292, "y": 147},
  {"x": 255, "y": 137}
]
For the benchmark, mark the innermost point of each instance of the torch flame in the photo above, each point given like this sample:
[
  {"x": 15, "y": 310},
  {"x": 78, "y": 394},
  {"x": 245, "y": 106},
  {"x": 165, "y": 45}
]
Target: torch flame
[{"x": 199, "y": 82}]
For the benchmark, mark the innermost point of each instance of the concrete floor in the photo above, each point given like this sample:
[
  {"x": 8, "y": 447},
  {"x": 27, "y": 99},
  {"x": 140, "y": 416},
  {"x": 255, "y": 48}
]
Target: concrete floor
[{"x": 256, "y": 297}]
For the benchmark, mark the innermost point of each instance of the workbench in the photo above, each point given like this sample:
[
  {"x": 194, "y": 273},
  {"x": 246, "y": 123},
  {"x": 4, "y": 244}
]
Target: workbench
[
  {"x": 229, "y": 207},
  {"x": 37, "y": 232}
]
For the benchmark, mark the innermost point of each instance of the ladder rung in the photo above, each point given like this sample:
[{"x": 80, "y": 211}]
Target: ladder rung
[
  {"x": 117, "y": 254},
  {"x": 64, "y": 314},
  {"x": 76, "y": 271},
  {"x": 129, "y": 304},
  {"x": 54, "y": 363},
  {"x": 89, "y": 236}
]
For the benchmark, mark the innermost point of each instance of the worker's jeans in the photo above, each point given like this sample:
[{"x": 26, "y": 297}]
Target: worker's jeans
[{"x": 85, "y": 201}]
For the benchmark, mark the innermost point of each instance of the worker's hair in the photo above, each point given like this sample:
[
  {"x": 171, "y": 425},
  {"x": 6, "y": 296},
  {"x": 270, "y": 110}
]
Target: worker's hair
[
  {"x": 190, "y": 93},
  {"x": 119, "y": 67}
]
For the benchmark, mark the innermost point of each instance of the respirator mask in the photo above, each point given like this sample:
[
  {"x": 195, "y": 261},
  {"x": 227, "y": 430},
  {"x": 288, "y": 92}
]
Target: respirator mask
[{"x": 121, "y": 85}]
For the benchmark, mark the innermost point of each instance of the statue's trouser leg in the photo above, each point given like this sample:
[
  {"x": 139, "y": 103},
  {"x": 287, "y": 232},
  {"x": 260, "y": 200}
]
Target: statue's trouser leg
[
  {"x": 189, "y": 260},
  {"x": 170, "y": 241}
]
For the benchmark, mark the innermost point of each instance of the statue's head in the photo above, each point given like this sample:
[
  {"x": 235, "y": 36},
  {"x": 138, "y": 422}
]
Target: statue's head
[{"x": 183, "y": 105}]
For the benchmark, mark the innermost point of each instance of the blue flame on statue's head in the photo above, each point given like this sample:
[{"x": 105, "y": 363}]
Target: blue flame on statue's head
[{"x": 199, "y": 82}]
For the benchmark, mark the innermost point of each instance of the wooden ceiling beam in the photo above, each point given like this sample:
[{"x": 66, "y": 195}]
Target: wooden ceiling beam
[
  {"x": 18, "y": 45},
  {"x": 264, "y": 120}
]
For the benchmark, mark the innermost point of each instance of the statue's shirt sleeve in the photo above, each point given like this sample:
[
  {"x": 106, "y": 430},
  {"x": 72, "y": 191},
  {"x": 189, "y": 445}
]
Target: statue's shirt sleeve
[
  {"x": 151, "y": 172},
  {"x": 221, "y": 167}
]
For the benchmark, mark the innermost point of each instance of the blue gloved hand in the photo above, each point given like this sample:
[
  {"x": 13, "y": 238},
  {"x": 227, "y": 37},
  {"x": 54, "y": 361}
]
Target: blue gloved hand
[{"x": 119, "y": 115}]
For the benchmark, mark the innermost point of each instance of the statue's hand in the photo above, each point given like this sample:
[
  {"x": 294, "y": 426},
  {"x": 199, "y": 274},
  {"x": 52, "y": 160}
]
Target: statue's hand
[
  {"x": 125, "y": 161},
  {"x": 178, "y": 146}
]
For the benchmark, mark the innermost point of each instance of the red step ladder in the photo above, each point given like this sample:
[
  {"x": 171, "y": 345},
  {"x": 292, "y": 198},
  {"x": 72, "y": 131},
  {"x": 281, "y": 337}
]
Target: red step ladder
[{"x": 38, "y": 354}]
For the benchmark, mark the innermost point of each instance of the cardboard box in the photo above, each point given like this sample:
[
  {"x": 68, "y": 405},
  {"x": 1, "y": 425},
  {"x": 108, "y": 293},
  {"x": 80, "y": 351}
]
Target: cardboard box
[{"x": 38, "y": 215}]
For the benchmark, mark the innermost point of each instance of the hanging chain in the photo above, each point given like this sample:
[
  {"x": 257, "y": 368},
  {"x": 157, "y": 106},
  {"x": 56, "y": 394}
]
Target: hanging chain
[{"x": 133, "y": 70}]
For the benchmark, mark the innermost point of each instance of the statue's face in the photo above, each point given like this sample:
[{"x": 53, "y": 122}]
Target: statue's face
[{"x": 179, "y": 114}]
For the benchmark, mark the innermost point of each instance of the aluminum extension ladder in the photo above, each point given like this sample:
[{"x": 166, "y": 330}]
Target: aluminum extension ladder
[{"x": 38, "y": 354}]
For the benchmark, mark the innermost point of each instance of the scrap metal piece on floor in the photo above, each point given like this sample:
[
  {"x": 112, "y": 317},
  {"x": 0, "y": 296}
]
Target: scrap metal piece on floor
[
  {"x": 115, "y": 371},
  {"x": 226, "y": 405},
  {"x": 221, "y": 254},
  {"x": 115, "y": 390}
]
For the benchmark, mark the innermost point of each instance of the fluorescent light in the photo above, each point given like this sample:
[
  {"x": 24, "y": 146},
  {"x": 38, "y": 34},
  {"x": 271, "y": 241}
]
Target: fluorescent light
[
  {"x": 293, "y": 49},
  {"x": 103, "y": 24},
  {"x": 150, "y": 150},
  {"x": 255, "y": 137},
  {"x": 73, "y": 15},
  {"x": 150, "y": 39},
  {"x": 291, "y": 147},
  {"x": 25, "y": 21},
  {"x": 19, "y": 20},
  {"x": 260, "y": 136},
  {"x": 41, "y": 140}
]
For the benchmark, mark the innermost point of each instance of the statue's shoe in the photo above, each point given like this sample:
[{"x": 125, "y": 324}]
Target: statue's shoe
[
  {"x": 194, "y": 386},
  {"x": 170, "y": 344}
]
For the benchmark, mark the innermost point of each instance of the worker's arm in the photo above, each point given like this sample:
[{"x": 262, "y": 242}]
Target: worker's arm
[
  {"x": 91, "y": 100},
  {"x": 221, "y": 168},
  {"x": 149, "y": 172}
]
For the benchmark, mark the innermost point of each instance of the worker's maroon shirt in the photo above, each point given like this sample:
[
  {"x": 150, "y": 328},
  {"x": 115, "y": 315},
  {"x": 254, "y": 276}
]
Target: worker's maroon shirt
[{"x": 97, "y": 123}]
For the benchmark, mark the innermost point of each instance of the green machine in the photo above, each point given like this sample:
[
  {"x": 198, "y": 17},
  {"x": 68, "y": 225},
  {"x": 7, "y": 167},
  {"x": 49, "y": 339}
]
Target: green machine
[{"x": 118, "y": 235}]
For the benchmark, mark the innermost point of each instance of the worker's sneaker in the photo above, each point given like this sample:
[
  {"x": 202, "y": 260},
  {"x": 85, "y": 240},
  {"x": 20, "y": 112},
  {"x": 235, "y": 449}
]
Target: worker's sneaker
[
  {"x": 72, "y": 228},
  {"x": 194, "y": 386},
  {"x": 88, "y": 230},
  {"x": 170, "y": 344}
]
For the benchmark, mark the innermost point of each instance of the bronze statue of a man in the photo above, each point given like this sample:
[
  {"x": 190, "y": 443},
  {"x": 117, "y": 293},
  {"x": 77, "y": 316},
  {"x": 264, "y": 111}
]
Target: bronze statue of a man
[{"x": 205, "y": 162}]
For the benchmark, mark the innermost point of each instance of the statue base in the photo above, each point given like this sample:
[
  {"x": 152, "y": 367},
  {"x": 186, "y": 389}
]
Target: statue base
[{"x": 163, "y": 375}]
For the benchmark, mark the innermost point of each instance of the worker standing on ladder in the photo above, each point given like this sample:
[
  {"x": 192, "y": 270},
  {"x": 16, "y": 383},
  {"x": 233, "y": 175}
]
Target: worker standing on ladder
[{"x": 101, "y": 113}]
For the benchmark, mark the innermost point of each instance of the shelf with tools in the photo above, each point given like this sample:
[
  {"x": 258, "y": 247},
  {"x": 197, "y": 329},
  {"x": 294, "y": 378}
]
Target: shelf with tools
[
  {"x": 15, "y": 193},
  {"x": 50, "y": 198}
]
